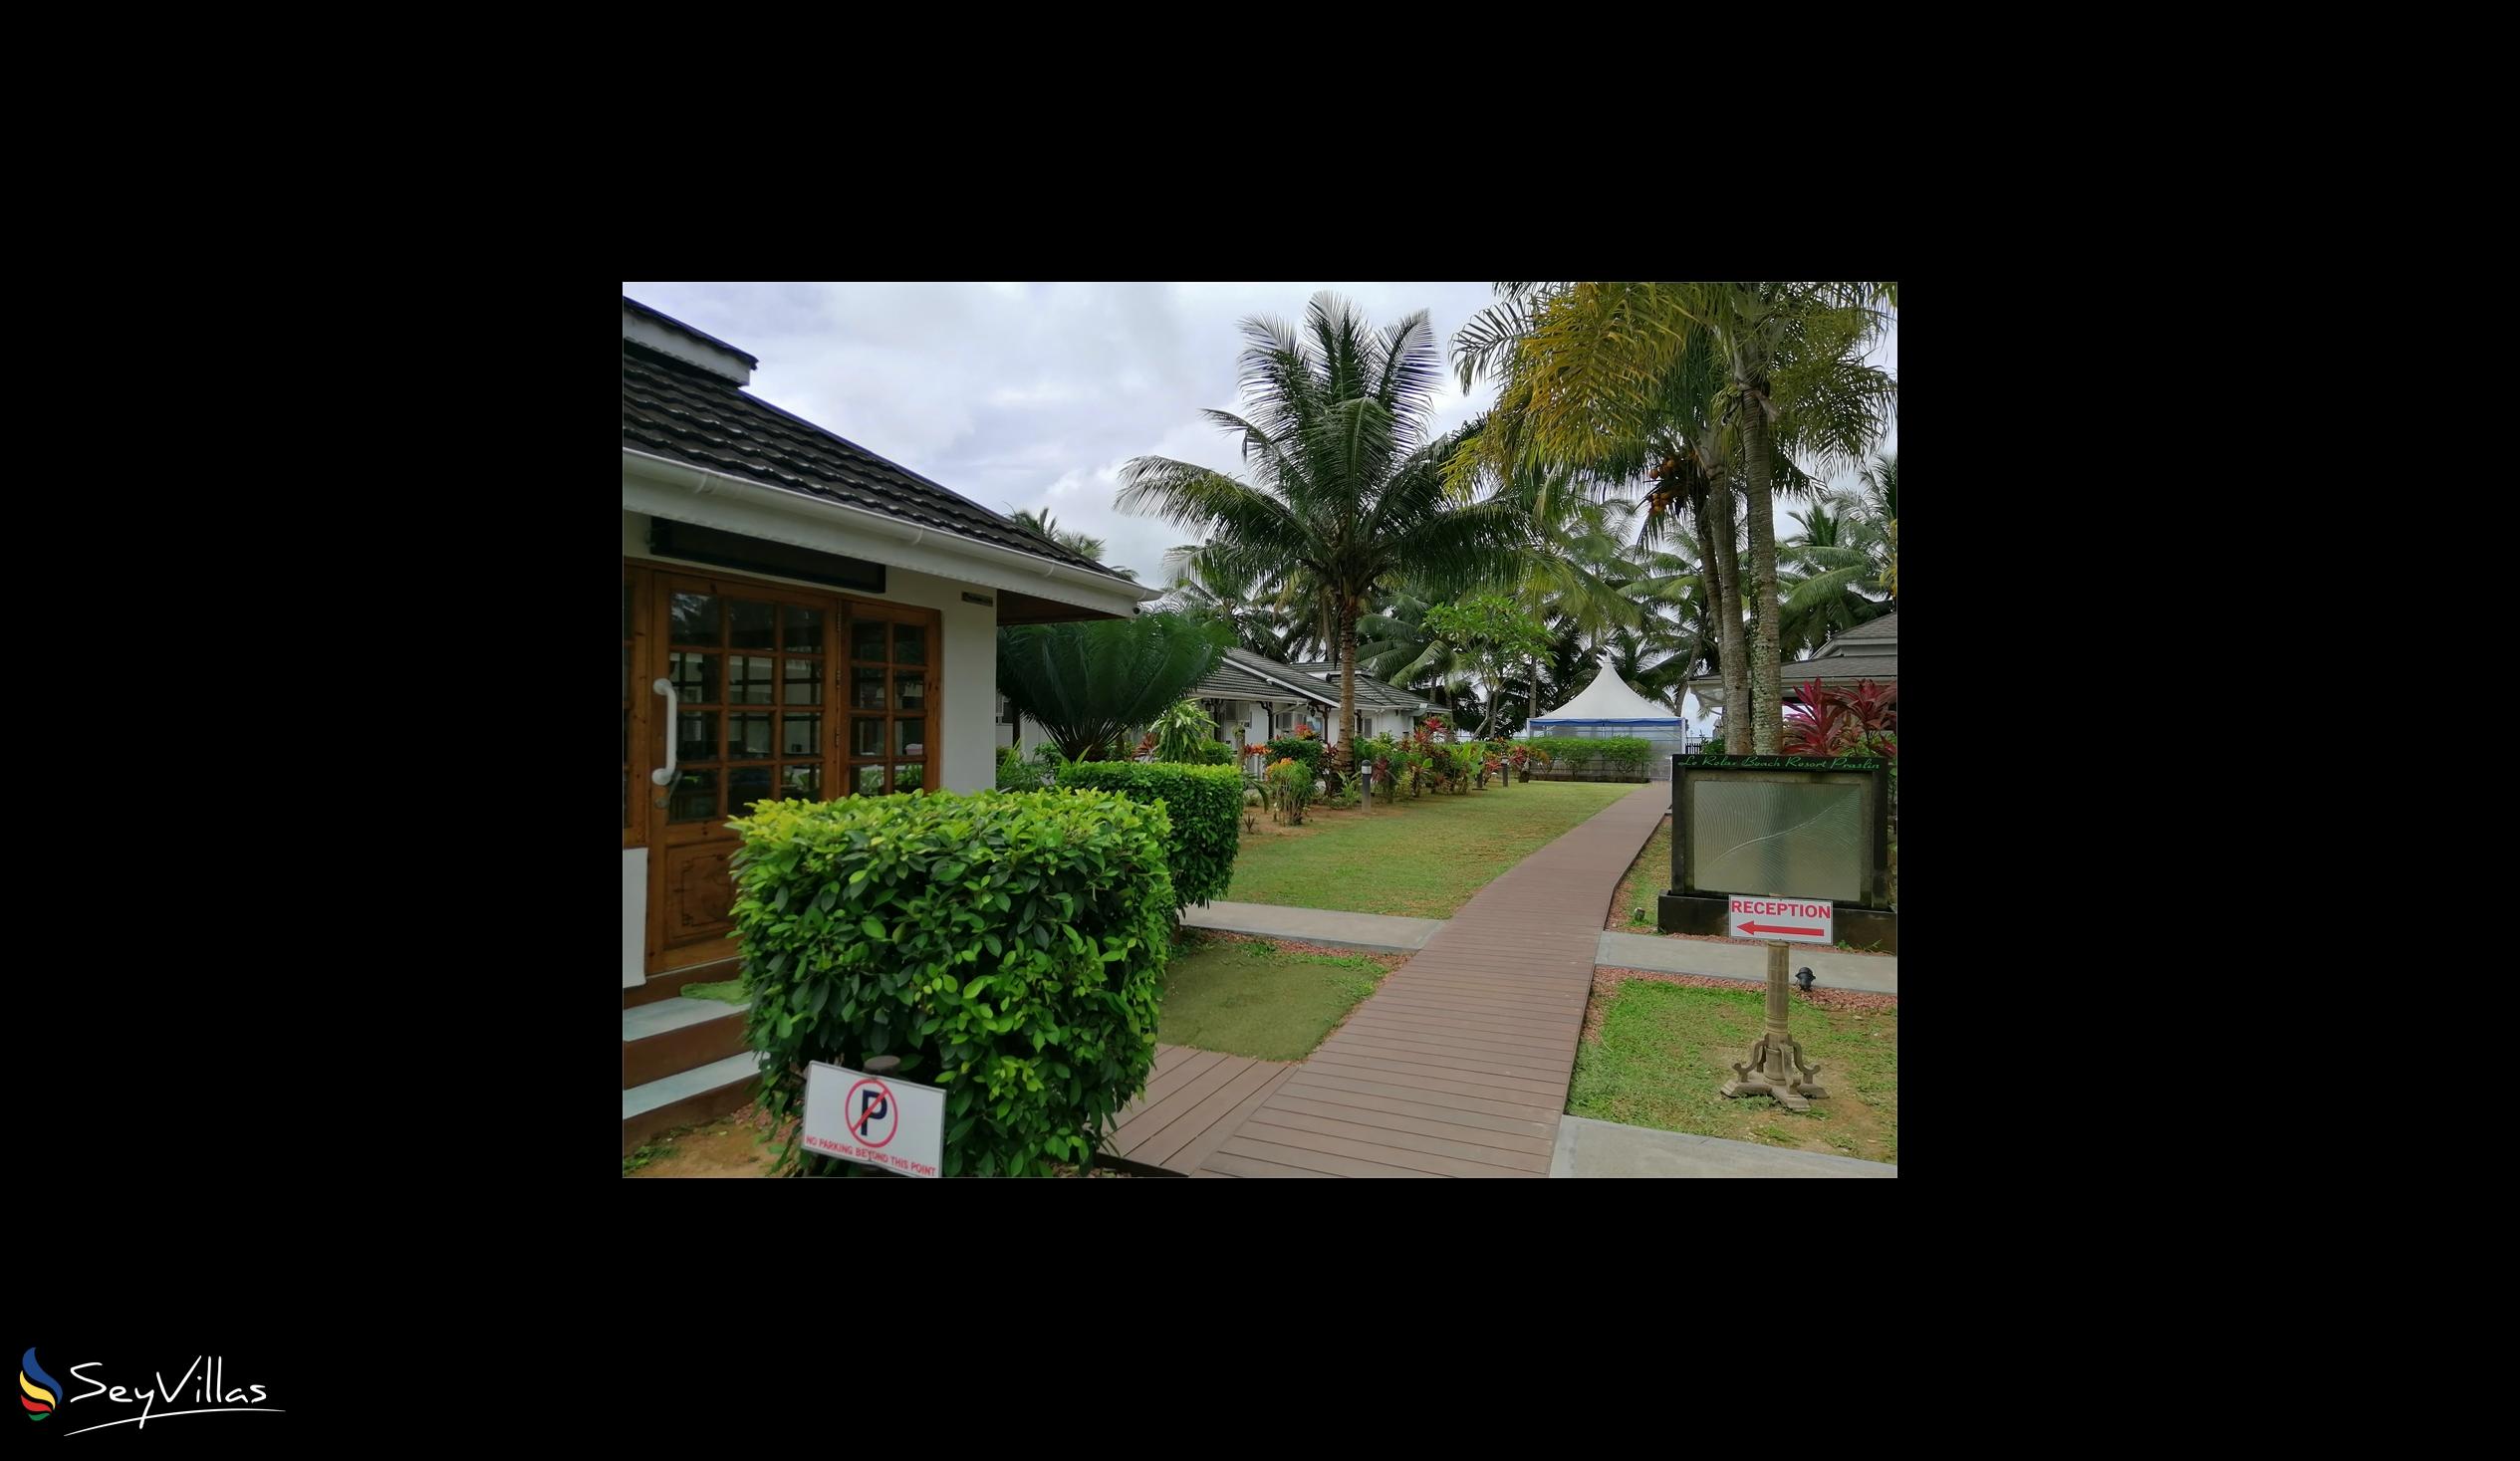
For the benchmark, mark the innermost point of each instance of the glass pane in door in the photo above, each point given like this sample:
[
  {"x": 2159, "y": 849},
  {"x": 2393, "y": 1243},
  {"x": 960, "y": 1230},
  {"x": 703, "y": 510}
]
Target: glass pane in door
[
  {"x": 695, "y": 619},
  {"x": 696, "y": 738},
  {"x": 748, "y": 680},
  {"x": 695, "y": 797},
  {"x": 746, "y": 785},
  {"x": 750, "y": 625},
  {"x": 695, "y": 678}
]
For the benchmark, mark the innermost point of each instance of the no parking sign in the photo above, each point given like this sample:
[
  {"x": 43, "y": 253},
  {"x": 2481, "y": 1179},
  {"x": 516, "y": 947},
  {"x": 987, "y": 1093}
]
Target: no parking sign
[{"x": 876, "y": 1119}]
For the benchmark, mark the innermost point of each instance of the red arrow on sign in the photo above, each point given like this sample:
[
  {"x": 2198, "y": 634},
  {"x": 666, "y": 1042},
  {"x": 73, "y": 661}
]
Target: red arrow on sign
[{"x": 1777, "y": 928}]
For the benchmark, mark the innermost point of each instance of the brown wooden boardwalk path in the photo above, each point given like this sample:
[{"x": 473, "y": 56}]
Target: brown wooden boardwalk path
[
  {"x": 1458, "y": 1066},
  {"x": 1192, "y": 1102}
]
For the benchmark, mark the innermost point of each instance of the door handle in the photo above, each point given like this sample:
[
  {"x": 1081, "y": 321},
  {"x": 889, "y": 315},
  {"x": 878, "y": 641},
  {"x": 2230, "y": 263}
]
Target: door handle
[{"x": 664, "y": 776}]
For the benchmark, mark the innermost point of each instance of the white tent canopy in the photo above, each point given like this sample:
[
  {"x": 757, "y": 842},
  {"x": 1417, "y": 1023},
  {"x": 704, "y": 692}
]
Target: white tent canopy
[
  {"x": 1609, "y": 706},
  {"x": 1610, "y": 700}
]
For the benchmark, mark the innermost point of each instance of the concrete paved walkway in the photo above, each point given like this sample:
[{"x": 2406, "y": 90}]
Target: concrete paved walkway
[
  {"x": 1830, "y": 969},
  {"x": 1590, "y": 1148},
  {"x": 1317, "y": 925},
  {"x": 1457, "y": 1066}
]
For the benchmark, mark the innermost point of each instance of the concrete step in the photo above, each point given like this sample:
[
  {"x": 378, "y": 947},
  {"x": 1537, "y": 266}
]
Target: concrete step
[
  {"x": 676, "y": 1034},
  {"x": 668, "y": 986},
  {"x": 686, "y": 1096}
]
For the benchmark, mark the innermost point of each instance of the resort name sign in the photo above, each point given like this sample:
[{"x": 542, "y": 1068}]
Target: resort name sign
[
  {"x": 1796, "y": 920},
  {"x": 874, "y": 1119}
]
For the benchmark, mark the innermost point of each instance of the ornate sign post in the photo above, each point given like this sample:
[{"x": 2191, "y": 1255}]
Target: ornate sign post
[{"x": 1776, "y": 1065}]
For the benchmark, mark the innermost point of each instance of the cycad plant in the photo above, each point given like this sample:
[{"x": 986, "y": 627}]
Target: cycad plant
[{"x": 1092, "y": 683}]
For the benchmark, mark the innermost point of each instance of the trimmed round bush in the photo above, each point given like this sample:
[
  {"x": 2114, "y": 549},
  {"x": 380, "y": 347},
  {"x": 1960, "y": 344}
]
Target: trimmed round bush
[
  {"x": 1005, "y": 945},
  {"x": 1205, "y": 804}
]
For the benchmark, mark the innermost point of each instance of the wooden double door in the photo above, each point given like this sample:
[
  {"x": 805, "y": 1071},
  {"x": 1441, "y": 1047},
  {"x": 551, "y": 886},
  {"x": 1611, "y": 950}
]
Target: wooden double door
[{"x": 736, "y": 691}]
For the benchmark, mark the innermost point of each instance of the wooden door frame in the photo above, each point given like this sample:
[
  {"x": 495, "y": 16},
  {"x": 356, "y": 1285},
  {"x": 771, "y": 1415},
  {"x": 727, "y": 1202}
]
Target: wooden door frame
[
  {"x": 644, "y": 754},
  {"x": 651, "y": 580}
]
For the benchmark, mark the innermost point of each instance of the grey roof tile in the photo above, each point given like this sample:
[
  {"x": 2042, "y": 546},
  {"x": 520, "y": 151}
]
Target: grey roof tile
[
  {"x": 671, "y": 409},
  {"x": 1884, "y": 628}
]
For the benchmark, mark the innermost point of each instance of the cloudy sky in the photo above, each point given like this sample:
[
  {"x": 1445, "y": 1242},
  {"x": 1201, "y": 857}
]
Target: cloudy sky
[{"x": 1033, "y": 395}]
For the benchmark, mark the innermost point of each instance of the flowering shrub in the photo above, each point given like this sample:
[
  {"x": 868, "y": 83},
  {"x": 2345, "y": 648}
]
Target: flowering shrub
[
  {"x": 1301, "y": 746},
  {"x": 1290, "y": 789}
]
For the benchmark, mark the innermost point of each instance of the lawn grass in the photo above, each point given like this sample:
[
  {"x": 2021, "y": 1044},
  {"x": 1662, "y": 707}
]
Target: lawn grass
[
  {"x": 1416, "y": 857},
  {"x": 1631, "y": 910},
  {"x": 1663, "y": 1049},
  {"x": 1247, "y": 997}
]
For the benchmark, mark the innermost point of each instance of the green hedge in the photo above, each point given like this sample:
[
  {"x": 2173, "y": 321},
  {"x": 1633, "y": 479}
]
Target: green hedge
[
  {"x": 1201, "y": 753},
  {"x": 1311, "y": 750},
  {"x": 1627, "y": 754},
  {"x": 1205, "y": 803},
  {"x": 1595, "y": 755},
  {"x": 1006, "y": 946}
]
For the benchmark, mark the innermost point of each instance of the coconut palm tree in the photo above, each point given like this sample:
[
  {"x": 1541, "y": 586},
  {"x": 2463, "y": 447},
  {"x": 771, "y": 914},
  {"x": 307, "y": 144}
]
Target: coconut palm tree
[
  {"x": 1076, "y": 540},
  {"x": 1832, "y": 573},
  {"x": 1796, "y": 386},
  {"x": 1256, "y": 609},
  {"x": 1395, "y": 644},
  {"x": 1594, "y": 367},
  {"x": 1347, "y": 492},
  {"x": 1561, "y": 405},
  {"x": 1575, "y": 573},
  {"x": 1880, "y": 484}
]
